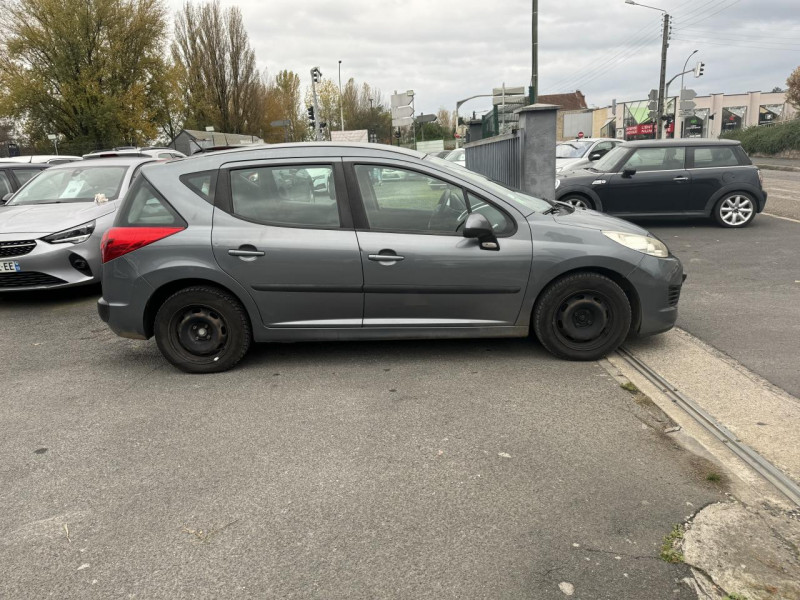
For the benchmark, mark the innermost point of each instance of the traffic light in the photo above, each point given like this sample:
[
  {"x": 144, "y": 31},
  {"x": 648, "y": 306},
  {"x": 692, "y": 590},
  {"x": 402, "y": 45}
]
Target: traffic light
[
  {"x": 316, "y": 75},
  {"x": 311, "y": 114},
  {"x": 698, "y": 70},
  {"x": 397, "y": 133}
]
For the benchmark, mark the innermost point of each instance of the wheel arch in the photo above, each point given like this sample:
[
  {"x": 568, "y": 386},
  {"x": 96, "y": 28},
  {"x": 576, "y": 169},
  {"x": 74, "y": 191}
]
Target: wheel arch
[
  {"x": 163, "y": 292},
  {"x": 615, "y": 276},
  {"x": 733, "y": 188},
  {"x": 584, "y": 193}
]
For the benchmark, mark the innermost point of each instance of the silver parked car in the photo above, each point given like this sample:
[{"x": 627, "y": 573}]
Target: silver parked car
[
  {"x": 212, "y": 253},
  {"x": 582, "y": 152},
  {"x": 50, "y": 230}
]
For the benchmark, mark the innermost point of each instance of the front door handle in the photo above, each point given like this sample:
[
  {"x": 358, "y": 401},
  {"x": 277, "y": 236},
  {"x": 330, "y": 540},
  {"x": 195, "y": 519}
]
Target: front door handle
[
  {"x": 248, "y": 253},
  {"x": 386, "y": 257},
  {"x": 680, "y": 179}
]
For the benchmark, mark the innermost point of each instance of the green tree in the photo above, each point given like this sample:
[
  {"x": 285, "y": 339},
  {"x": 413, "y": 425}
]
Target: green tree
[
  {"x": 87, "y": 69},
  {"x": 793, "y": 88},
  {"x": 221, "y": 83},
  {"x": 282, "y": 103}
]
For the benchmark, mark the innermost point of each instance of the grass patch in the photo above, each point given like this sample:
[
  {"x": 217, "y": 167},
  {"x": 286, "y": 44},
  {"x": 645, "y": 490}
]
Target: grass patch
[
  {"x": 629, "y": 387},
  {"x": 714, "y": 477},
  {"x": 669, "y": 552},
  {"x": 735, "y": 597}
]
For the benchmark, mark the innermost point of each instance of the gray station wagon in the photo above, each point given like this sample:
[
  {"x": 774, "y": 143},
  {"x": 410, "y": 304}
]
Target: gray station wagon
[{"x": 310, "y": 242}]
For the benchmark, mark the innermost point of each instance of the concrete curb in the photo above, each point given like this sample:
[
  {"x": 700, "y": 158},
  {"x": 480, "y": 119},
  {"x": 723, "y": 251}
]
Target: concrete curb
[{"x": 777, "y": 167}]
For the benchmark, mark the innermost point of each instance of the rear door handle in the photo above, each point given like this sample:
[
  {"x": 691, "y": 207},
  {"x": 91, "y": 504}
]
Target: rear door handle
[
  {"x": 680, "y": 179},
  {"x": 386, "y": 257},
  {"x": 245, "y": 252}
]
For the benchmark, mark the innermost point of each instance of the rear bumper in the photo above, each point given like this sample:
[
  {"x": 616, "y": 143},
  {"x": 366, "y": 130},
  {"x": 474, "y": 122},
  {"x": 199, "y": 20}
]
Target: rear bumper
[{"x": 658, "y": 282}]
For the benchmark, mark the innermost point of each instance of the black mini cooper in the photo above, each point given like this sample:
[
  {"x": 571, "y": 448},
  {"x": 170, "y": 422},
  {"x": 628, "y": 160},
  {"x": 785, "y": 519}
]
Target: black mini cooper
[{"x": 683, "y": 178}]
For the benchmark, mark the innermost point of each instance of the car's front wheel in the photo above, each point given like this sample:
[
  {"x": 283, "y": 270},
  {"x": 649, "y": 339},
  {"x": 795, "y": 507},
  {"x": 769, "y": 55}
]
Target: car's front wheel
[
  {"x": 582, "y": 316},
  {"x": 577, "y": 201},
  {"x": 735, "y": 210},
  {"x": 202, "y": 329}
]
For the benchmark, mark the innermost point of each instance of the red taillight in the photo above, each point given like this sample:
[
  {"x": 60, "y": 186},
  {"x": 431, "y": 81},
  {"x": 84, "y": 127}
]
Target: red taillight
[{"x": 118, "y": 241}]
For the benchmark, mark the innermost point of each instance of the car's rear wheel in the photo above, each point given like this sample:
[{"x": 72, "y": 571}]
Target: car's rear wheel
[
  {"x": 577, "y": 201},
  {"x": 737, "y": 209},
  {"x": 583, "y": 316},
  {"x": 202, "y": 330}
]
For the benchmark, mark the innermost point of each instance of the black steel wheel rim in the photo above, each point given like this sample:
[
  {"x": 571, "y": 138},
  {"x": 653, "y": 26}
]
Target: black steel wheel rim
[
  {"x": 200, "y": 331},
  {"x": 583, "y": 320}
]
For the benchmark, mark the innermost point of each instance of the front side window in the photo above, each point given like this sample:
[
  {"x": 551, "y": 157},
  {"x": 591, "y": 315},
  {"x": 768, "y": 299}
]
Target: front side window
[
  {"x": 722, "y": 156},
  {"x": 656, "y": 159},
  {"x": 77, "y": 184},
  {"x": 295, "y": 196},
  {"x": 416, "y": 203}
]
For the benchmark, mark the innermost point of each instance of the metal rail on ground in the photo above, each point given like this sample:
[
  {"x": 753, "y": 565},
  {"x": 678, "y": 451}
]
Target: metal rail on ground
[{"x": 763, "y": 467}]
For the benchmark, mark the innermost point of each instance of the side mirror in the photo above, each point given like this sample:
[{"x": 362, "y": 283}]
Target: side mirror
[
  {"x": 6, "y": 198},
  {"x": 596, "y": 155},
  {"x": 478, "y": 226},
  {"x": 628, "y": 172}
]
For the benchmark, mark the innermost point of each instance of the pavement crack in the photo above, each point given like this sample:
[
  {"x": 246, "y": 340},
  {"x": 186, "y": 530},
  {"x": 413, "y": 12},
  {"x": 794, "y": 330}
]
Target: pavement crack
[{"x": 626, "y": 555}]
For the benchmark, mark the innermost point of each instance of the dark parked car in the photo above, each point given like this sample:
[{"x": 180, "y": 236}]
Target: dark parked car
[
  {"x": 210, "y": 253},
  {"x": 689, "y": 178},
  {"x": 13, "y": 175}
]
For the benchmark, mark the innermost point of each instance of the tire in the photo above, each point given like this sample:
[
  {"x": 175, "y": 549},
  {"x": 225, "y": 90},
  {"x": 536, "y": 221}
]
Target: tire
[
  {"x": 735, "y": 209},
  {"x": 202, "y": 329},
  {"x": 577, "y": 201},
  {"x": 583, "y": 316}
]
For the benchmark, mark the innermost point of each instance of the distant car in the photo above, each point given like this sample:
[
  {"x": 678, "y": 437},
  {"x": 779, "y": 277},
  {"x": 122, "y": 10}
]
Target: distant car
[
  {"x": 580, "y": 152},
  {"x": 210, "y": 254},
  {"x": 50, "y": 230},
  {"x": 13, "y": 175},
  {"x": 458, "y": 156},
  {"x": 154, "y": 152},
  {"x": 50, "y": 159},
  {"x": 656, "y": 178}
]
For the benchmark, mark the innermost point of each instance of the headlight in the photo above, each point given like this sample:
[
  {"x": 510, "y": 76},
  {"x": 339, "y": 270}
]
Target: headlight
[
  {"x": 75, "y": 235},
  {"x": 558, "y": 183},
  {"x": 640, "y": 243},
  {"x": 559, "y": 169}
]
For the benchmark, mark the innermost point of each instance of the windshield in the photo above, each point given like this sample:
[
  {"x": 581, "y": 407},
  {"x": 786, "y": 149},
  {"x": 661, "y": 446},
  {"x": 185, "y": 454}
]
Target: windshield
[
  {"x": 455, "y": 155},
  {"x": 572, "y": 149},
  {"x": 610, "y": 160},
  {"x": 529, "y": 202},
  {"x": 79, "y": 184}
]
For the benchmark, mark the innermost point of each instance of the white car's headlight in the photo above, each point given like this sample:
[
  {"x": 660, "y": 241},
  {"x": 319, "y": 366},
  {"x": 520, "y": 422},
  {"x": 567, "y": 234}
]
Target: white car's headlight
[
  {"x": 73, "y": 235},
  {"x": 640, "y": 243},
  {"x": 558, "y": 183}
]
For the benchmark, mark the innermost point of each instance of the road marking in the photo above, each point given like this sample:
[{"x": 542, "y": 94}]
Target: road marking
[{"x": 766, "y": 214}]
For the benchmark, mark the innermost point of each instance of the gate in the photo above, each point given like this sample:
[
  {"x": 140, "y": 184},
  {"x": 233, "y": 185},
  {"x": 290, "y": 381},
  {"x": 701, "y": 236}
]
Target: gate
[{"x": 499, "y": 158}]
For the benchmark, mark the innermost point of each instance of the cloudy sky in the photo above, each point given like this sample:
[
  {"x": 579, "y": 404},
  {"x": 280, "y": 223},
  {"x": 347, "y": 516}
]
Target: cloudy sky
[{"x": 446, "y": 50}]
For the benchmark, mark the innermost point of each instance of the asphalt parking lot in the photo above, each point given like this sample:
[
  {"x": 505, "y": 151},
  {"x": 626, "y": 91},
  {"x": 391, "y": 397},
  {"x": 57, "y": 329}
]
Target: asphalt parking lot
[
  {"x": 480, "y": 469},
  {"x": 469, "y": 469}
]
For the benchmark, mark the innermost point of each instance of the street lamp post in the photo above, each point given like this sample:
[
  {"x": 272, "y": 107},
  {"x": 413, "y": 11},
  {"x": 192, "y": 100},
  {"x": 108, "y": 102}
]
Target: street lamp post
[
  {"x": 684, "y": 71},
  {"x": 535, "y": 53},
  {"x": 663, "y": 77},
  {"x": 341, "y": 105}
]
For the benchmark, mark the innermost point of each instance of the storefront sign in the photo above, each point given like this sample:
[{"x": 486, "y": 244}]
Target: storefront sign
[{"x": 641, "y": 129}]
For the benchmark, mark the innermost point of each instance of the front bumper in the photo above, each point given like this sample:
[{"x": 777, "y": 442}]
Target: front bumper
[
  {"x": 658, "y": 283},
  {"x": 48, "y": 266}
]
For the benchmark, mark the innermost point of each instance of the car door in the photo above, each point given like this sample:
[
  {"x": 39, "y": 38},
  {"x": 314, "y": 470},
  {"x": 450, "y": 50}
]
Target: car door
[
  {"x": 659, "y": 183},
  {"x": 419, "y": 270},
  {"x": 711, "y": 168},
  {"x": 293, "y": 247}
]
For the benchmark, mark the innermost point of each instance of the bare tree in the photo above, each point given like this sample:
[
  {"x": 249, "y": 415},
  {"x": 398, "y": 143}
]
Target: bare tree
[{"x": 222, "y": 85}]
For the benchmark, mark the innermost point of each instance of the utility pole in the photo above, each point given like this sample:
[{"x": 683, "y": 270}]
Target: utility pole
[
  {"x": 341, "y": 105},
  {"x": 663, "y": 77},
  {"x": 534, "y": 93}
]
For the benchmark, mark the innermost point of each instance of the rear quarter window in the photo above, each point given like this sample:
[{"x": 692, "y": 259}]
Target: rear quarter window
[
  {"x": 145, "y": 207},
  {"x": 715, "y": 156}
]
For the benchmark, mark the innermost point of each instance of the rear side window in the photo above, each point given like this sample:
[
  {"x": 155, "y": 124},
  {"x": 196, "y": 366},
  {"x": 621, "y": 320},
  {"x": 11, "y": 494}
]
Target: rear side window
[
  {"x": 5, "y": 185},
  {"x": 203, "y": 184},
  {"x": 293, "y": 196},
  {"x": 145, "y": 207},
  {"x": 24, "y": 175},
  {"x": 716, "y": 156}
]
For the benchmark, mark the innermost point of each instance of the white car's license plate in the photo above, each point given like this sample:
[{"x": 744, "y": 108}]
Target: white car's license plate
[{"x": 9, "y": 266}]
